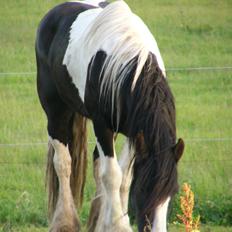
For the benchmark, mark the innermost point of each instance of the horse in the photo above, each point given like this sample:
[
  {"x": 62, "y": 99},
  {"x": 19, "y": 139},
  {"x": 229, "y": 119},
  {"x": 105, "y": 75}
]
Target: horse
[{"x": 98, "y": 61}]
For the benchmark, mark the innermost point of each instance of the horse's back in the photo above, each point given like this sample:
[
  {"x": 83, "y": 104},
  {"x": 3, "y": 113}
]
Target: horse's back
[{"x": 57, "y": 22}]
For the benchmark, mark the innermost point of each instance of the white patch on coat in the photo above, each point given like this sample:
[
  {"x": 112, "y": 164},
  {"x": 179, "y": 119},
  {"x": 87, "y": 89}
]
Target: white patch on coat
[
  {"x": 118, "y": 32},
  {"x": 75, "y": 57},
  {"x": 160, "y": 219}
]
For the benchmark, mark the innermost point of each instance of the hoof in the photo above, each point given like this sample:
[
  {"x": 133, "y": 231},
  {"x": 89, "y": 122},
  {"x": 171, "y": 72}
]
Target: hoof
[
  {"x": 122, "y": 229},
  {"x": 64, "y": 229},
  {"x": 122, "y": 225},
  {"x": 118, "y": 228},
  {"x": 65, "y": 226}
]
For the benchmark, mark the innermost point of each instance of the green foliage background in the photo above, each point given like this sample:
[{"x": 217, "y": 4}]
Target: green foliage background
[{"x": 190, "y": 34}]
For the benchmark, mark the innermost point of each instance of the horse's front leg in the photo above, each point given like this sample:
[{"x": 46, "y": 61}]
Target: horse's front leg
[
  {"x": 111, "y": 218},
  {"x": 65, "y": 217},
  {"x": 126, "y": 164}
]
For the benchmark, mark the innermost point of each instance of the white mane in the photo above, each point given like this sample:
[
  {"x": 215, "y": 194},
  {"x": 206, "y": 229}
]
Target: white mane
[
  {"x": 119, "y": 33},
  {"x": 123, "y": 36}
]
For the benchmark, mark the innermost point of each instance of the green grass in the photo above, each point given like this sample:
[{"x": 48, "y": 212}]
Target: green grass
[
  {"x": 189, "y": 34},
  {"x": 172, "y": 228},
  {"x": 203, "y": 228}
]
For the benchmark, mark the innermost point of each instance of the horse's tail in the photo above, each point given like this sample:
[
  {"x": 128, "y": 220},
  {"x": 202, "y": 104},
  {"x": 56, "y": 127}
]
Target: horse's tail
[{"x": 78, "y": 151}]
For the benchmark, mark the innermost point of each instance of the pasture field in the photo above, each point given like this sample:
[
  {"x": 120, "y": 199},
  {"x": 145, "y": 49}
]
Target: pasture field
[
  {"x": 190, "y": 34},
  {"x": 172, "y": 228}
]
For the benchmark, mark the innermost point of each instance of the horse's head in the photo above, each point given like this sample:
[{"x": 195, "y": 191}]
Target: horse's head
[
  {"x": 154, "y": 182},
  {"x": 153, "y": 132}
]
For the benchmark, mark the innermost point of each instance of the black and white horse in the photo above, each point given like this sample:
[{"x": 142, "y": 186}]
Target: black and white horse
[{"x": 99, "y": 61}]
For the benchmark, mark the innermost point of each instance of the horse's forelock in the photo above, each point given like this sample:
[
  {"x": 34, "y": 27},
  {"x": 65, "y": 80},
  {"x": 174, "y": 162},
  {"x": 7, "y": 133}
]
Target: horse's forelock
[{"x": 155, "y": 179}]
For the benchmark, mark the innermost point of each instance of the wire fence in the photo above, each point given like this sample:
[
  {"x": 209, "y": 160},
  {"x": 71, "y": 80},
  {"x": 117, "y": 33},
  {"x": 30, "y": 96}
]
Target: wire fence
[
  {"x": 178, "y": 69},
  {"x": 19, "y": 169},
  {"x": 189, "y": 140},
  {"x": 28, "y": 145}
]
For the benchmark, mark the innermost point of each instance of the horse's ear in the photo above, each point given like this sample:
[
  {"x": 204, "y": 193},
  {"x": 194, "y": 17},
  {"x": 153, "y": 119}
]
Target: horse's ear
[{"x": 179, "y": 149}]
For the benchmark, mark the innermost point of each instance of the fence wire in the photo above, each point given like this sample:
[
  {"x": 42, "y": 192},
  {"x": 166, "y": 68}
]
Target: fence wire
[
  {"x": 178, "y": 69},
  {"x": 28, "y": 145},
  {"x": 189, "y": 140}
]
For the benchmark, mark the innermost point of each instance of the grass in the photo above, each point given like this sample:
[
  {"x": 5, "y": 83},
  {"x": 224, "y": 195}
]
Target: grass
[
  {"x": 189, "y": 34},
  {"x": 172, "y": 228},
  {"x": 179, "y": 228}
]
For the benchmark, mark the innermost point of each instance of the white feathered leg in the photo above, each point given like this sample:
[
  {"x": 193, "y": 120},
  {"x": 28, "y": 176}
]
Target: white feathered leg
[
  {"x": 65, "y": 217},
  {"x": 111, "y": 218}
]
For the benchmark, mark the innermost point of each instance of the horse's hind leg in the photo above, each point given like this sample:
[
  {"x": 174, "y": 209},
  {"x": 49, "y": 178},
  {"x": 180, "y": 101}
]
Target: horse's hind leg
[
  {"x": 60, "y": 121},
  {"x": 65, "y": 218}
]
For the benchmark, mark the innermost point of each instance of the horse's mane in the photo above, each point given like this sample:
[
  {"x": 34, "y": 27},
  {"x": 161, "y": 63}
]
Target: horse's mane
[
  {"x": 124, "y": 37},
  {"x": 153, "y": 134},
  {"x": 153, "y": 108}
]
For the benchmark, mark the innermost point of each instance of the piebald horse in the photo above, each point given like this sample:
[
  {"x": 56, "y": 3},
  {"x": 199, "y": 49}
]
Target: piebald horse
[{"x": 99, "y": 61}]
